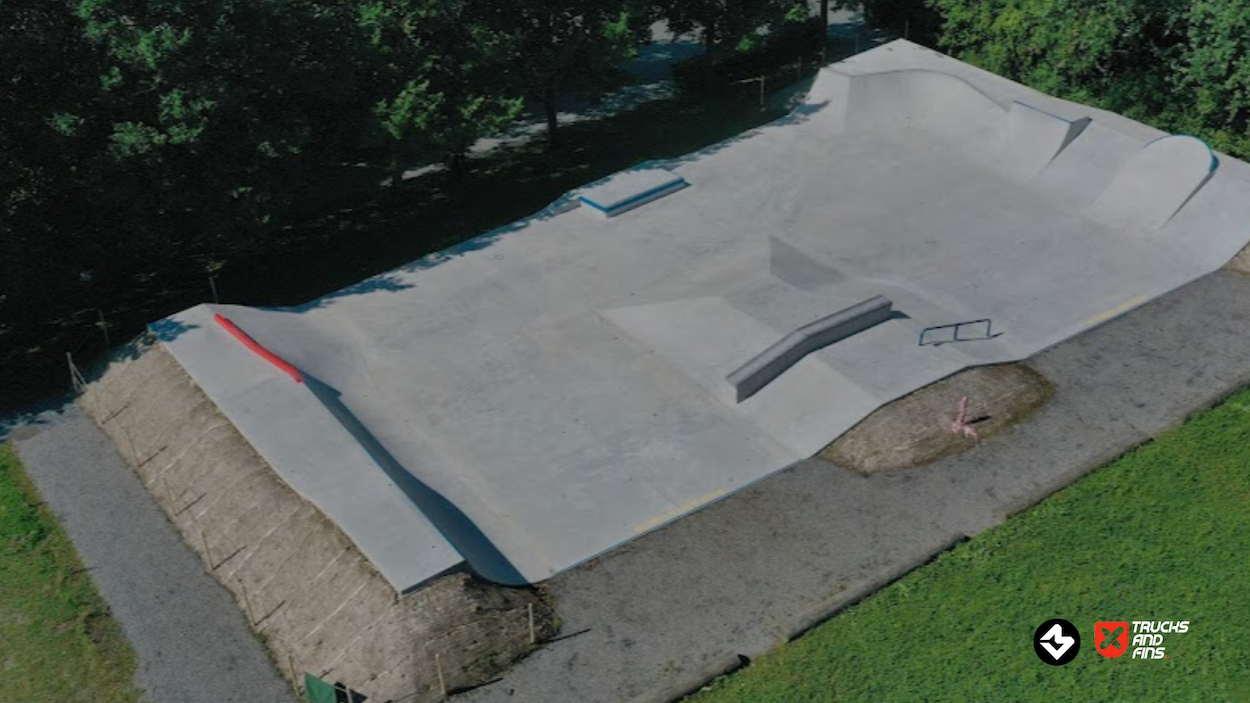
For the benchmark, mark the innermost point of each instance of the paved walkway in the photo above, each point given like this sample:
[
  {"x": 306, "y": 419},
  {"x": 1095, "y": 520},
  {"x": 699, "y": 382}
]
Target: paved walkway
[
  {"x": 190, "y": 637},
  {"x": 660, "y": 615}
]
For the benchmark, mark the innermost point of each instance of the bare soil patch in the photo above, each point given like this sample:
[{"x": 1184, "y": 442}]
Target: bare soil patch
[{"x": 917, "y": 429}]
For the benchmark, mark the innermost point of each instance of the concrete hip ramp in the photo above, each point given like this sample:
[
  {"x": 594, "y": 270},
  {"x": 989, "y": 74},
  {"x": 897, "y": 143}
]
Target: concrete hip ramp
[{"x": 527, "y": 400}]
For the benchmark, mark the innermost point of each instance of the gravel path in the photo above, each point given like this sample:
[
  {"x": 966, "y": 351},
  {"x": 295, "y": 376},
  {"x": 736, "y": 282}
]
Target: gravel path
[
  {"x": 660, "y": 616},
  {"x": 190, "y": 637}
]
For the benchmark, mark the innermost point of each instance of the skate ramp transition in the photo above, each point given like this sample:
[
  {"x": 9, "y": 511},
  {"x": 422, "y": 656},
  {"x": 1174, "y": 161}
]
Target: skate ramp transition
[{"x": 531, "y": 398}]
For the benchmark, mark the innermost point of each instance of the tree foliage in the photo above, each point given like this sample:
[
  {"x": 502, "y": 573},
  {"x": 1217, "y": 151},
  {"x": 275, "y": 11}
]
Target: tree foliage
[
  {"x": 728, "y": 25},
  {"x": 1214, "y": 68},
  {"x": 572, "y": 47},
  {"x": 443, "y": 84},
  {"x": 151, "y": 135},
  {"x": 1182, "y": 66}
]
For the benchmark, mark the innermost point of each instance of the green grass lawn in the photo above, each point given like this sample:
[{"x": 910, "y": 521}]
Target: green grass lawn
[
  {"x": 58, "y": 644},
  {"x": 1160, "y": 534}
]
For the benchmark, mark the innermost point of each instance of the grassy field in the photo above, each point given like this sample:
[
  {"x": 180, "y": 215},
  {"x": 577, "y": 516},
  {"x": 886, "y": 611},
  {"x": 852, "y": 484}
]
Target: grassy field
[
  {"x": 58, "y": 643},
  {"x": 1160, "y": 534}
]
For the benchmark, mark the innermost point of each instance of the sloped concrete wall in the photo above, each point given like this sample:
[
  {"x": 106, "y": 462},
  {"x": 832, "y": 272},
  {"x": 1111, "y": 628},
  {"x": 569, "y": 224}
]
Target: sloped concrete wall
[{"x": 318, "y": 603}]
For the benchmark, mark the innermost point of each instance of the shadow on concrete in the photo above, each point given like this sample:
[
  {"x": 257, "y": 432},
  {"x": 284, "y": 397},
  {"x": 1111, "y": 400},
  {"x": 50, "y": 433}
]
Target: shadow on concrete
[
  {"x": 483, "y": 558},
  {"x": 393, "y": 282},
  {"x": 167, "y": 330},
  {"x": 798, "y": 116}
]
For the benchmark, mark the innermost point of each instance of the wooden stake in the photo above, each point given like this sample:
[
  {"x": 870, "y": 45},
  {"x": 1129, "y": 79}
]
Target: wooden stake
[
  {"x": 73, "y": 373},
  {"x": 213, "y": 285},
  {"x": 533, "y": 634},
  {"x": 438, "y": 666},
  {"x": 93, "y": 397},
  {"x": 290, "y": 665},
  {"x": 104, "y": 328},
  {"x": 173, "y": 504},
  {"x": 208, "y": 553},
  {"x": 134, "y": 454},
  {"x": 247, "y": 603}
]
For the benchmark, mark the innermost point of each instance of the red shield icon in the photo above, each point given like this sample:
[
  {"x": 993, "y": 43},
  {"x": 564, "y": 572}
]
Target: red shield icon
[{"x": 1111, "y": 638}]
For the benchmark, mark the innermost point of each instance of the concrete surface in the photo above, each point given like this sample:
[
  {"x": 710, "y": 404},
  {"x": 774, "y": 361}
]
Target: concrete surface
[
  {"x": 191, "y": 641},
  {"x": 662, "y": 615},
  {"x": 557, "y": 386},
  {"x": 297, "y": 426}
]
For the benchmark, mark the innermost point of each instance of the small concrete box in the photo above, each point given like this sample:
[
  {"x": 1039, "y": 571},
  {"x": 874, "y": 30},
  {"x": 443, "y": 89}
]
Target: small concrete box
[{"x": 630, "y": 189}]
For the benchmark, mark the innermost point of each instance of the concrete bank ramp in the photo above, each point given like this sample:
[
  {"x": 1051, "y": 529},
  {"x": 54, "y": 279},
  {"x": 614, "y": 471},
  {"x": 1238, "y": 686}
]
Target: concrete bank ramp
[{"x": 542, "y": 393}]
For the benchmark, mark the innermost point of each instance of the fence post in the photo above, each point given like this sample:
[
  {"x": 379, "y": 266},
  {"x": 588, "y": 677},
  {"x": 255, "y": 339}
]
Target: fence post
[
  {"x": 438, "y": 667},
  {"x": 73, "y": 373},
  {"x": 208, "y": 553},
  {"x": 533, "y": 634},
  {"x": 104, "y": 328},
  {"x": 247, "y": 603},
  {"x": 134, "y": 453},
  {"x": 213, "y": 286}
]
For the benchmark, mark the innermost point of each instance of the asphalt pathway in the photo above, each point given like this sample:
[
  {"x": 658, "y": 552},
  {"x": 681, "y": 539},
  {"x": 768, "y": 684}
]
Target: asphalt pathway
[
  {"x": 190, "y": 638},
  {"x": 658, "y": 617}
]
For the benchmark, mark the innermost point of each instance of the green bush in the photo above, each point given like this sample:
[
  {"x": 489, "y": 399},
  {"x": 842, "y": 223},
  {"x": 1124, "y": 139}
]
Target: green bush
[{"x": 771, "y": 54}]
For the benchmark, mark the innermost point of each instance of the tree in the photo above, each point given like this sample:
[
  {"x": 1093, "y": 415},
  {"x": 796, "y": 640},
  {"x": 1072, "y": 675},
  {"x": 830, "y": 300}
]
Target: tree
[
  {"x": 1116, "y": 54},
  {"x": 216, "y": 107},
  {"x": 728, "y": 25},
  {"x": 572, "y": 47},
  {"x": 1215, "y": 69},
  {"x": 48, "y": 90},
  {"x": 444, "y": 83},
  {"x": 916, "y": 19}
]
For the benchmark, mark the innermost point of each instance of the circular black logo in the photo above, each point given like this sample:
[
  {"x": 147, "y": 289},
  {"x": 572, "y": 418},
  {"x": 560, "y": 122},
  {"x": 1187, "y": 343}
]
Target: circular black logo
[{"x": 1056, "y": 642}]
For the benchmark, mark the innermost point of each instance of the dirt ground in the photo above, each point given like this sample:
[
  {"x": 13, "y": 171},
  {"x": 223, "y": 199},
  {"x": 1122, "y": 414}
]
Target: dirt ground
[
  {"x": 917, "y": 429},
  {"x": 307, "y": 591},
  {"x": 1240, "y": 262}
]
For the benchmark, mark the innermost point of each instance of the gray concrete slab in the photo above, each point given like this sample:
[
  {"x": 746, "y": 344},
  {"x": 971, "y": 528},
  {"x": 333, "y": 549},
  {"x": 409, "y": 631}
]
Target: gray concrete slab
[
  {"x": 189, "y": 636},
  {"x": 660, "y": 616},
  {"x": 288, "y": 423},
  {"x": 559, "y": 384}
]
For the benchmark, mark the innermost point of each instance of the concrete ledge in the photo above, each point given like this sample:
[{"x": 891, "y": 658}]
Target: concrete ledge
[
  {"x": 749, "y": 378},
  {"x": 630, "y": 189}
]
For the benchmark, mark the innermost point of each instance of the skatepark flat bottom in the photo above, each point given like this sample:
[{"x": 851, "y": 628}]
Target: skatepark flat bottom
[{"x": 543, "y": 393}]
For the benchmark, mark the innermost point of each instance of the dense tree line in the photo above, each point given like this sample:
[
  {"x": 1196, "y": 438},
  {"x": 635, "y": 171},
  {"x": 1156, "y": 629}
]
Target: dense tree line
[
  {"x": 1181, "y": 65},
  {"x": 146, "y": 135}
]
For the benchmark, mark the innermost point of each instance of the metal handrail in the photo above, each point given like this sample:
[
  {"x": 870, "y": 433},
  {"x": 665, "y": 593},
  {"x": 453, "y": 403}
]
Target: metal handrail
[{"x": 989, "y": 331}]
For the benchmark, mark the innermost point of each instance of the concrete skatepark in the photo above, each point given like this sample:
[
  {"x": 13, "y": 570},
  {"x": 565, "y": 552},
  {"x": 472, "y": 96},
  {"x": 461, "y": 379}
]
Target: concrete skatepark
[{"x": 541, "y": 394}]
